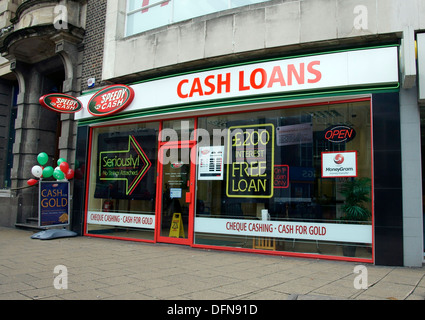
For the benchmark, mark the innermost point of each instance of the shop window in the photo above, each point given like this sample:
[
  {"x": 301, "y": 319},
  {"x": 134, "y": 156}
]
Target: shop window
[
  {"x": 122, "y": 190},
  {"x": 292, "y": 180}
]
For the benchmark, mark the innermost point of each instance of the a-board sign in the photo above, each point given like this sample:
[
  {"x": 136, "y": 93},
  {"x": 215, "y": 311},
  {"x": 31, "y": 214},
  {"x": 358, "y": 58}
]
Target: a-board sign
[{"x": 53, "y": 203}]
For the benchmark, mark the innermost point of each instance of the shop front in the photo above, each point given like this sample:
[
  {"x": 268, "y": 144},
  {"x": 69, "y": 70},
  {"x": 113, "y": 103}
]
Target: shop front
[{"x": 275, "y": 157}]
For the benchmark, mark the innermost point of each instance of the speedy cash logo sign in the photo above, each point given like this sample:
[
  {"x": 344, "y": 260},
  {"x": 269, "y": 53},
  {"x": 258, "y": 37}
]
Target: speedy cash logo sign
[
  {"x": 60, "y": 102},
  {"x": 110, "y": 100}
]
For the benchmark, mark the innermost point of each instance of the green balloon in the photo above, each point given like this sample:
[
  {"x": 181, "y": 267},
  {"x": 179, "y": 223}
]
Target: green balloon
[
  {"x": 42, "y": 158},
  {"x": 47, "y": 172},
  {"x": 60, "y": 161},
  {"x": 59, "y": 175}
]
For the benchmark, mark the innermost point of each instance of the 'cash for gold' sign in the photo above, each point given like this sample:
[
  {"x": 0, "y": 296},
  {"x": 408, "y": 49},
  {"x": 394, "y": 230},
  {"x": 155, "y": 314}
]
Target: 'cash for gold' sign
[
  {"x": 250, "y": 161},
  {"x": 53, "y": 203}
]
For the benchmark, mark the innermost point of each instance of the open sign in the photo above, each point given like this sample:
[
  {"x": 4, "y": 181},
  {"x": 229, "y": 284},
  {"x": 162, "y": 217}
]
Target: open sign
[{"x": 340, "y": 133}]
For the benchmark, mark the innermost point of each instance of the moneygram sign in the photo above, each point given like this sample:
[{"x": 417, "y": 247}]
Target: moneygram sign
[
  {"x": 339, "y": 164},
  {"x": 110, "y": 100}
]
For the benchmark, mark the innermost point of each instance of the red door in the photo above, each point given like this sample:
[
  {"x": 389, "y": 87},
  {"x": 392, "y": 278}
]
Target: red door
[{"x": 176, "y": 187}]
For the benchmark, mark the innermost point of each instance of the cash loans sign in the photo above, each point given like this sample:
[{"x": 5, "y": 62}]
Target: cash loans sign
[
  {"x": 250, "y": 161},
  {"x": 110, "y": 100}
]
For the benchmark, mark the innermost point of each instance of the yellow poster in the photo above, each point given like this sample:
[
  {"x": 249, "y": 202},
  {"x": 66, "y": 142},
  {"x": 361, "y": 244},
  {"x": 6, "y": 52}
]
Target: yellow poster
[{"x": 250, "y": 161}]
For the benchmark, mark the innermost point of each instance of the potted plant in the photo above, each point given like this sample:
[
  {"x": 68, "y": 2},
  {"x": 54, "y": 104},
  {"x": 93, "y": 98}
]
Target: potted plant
[{"x": 355, "y": 208}]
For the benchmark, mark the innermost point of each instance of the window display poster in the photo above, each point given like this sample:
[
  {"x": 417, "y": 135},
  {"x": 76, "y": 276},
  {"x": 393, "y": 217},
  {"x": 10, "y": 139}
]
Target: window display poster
[
  {"x": 124, "y": 165},
  {"x": 53, "y": 203},
  {"x": 175, "y": 193},
  {"x": 339, "y": 164},
  {"x": 211, "y": 163},
  {"x": 250, "y": 161},
  {"x": 281, "y": 176}
]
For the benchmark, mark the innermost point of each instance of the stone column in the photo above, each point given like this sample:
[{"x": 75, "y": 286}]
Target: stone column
[
  {"x": 71, "y": 54},
  {"x": 35, "y": 131}
]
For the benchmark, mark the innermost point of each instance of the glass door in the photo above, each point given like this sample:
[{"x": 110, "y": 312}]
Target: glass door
[{"x": 177, "y": 187}]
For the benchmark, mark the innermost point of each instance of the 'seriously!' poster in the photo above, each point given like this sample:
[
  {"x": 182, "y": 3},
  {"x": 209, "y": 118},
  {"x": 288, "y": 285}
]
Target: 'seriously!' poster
[{"x": 124, "y": 165}]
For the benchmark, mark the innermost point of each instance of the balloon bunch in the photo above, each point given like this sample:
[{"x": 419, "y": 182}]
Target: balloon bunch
[{"x": 61, "y": 173}]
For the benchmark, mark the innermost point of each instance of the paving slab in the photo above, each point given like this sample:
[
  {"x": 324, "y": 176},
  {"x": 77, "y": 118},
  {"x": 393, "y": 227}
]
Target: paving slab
[{"x": 106, "y": 269}]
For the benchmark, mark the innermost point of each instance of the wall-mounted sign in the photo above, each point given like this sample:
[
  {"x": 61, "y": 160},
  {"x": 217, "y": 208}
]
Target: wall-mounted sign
[
  {"x": 53, "y": 203},
  {"x": 110, "y": 100},
  {"x": 339, "y": 164},
  {"x": 340, "y": 133},
  {"x": 250, "y": 161},
  {"x": 350, "y": 69},
  {"x": 60, "y": 102}
]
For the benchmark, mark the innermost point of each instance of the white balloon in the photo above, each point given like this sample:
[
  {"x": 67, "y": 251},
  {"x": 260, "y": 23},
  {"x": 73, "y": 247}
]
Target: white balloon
[{"x": 37, "y": 171}]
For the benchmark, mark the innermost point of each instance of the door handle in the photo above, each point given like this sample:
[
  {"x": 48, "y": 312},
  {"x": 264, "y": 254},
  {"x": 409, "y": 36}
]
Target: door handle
[{"x": 188, "y": 197}]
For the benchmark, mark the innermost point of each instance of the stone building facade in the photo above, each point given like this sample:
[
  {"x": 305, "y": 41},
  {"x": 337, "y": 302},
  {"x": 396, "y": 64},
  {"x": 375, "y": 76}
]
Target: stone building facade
[{"x": 41, "y": 47}]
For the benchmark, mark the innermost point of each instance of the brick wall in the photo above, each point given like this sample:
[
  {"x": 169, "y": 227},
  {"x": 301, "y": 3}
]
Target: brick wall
[{"x": 93, "y": 43}]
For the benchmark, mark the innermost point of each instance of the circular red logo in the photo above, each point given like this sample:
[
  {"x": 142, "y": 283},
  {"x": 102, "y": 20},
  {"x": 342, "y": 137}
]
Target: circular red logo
[
  {"x": 110, "y": 100},
  {"x": 339, "y": 159},
  {"x": 60, "y": 102}
]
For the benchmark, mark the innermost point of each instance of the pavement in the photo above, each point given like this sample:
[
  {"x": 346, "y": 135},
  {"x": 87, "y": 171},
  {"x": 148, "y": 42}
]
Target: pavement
[{"x": 87, "y": 268}]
